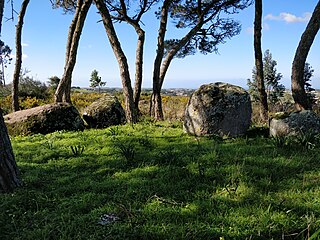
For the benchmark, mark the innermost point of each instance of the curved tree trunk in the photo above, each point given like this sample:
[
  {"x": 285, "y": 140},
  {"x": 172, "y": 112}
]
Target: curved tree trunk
[
  {"x": 64, "y": 88},
  {"x": 17, "y": 69},
  {"x": 9, "y": 173},
  {"x": 297, "y": 82},
  {"x": 122, "y": 61},
  {"x": 259, "y": 62}
]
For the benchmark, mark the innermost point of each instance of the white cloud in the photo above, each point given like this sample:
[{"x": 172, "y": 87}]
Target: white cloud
[
  {"x": 24, "y": 44},
  {"x": 289, "y": 18}
]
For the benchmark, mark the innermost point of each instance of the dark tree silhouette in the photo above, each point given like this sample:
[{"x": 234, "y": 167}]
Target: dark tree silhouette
[{"x": 297, "y": 80}]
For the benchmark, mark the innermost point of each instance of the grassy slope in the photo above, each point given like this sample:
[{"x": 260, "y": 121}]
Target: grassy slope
[{"x": 161, "y": 184}]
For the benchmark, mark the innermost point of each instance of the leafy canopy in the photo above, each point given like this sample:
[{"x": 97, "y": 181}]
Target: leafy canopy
[{"x": 209, "y": 19}]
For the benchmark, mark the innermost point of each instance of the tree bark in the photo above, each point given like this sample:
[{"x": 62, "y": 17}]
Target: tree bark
[
  {"x": 1, "y": 14},
  {"x": 161, "y": 65},
  {"x": 259, "y": 62},
  {"x": 63, "y": 91},
  {"x": 297, "y": 82},
  {"x": 9, "y": 173},
  {"x": 139, "y": 70},
  {"x": 122, "y": 61},
  {"x": 155, "y": 102},
  {"x": 17, "y": 69}
]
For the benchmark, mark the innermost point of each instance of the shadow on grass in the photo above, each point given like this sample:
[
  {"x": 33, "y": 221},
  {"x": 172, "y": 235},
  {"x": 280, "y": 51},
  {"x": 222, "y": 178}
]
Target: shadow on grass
[{"x": 172, "y": 188}]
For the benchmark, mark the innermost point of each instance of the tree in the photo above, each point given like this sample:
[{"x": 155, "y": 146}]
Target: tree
[
  {"x": 29, "y": 87},
  {"x": 64, "y": 88},
  {"x": 298, "y": 65},
  {"x": 17, "y": 69},
  {"x": 206, "y": 28},
  {"x": 121, "y": 9},
  {"x": 271, "y": 81},
  {"x": 131, "y": 114},
  {"x": 5, "y": 59},
  {"x": 307, "y": 75},
  {"x": 258, "y": 60},
  {"x": 96, "y": 80},
  {"x": 53, "y": 82},
  {"x": 9, "y": 173}
]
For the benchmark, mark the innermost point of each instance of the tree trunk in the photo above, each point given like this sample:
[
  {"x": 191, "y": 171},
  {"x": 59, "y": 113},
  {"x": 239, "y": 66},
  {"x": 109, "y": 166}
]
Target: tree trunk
[
  {"x": 9, "y": 173},
  {"x": 64, "y": 88},
  {"x": 297, "y": 81},
  {"x": 155, "y": 102},
  {"x": 161, "y": 66},
  {"x": 139, "y": 64},
  {"x": 259, "y": 62},
  {"x": 122, "y": 61},
  {"x": 17, "y": 69},
  {"x": 1, "y": 14}
]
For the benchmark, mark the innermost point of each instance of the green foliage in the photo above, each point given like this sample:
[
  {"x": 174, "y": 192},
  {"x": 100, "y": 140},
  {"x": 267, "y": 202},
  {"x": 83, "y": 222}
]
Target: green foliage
[
  {"x": 29, "y": 87},
  {"x": 274, "y": 89},
  {"x": 53, "y": 82},
  {"x": 214, "y": 29},
  {"x": 180, "y": 188},
  {"x": 307, "y": 75},
  {"x": 306, "y": 140}
]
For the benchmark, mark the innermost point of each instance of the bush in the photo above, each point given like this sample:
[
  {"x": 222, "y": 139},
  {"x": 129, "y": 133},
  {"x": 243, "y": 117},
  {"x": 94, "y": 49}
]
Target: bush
[{"x": 28, "y": 87}]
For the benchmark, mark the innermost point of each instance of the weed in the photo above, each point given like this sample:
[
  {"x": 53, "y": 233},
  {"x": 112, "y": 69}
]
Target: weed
[
  {"x": 281, "y": 141},
  {"x": 307, "y": 139},
  {"x": 145, "y": 142},
  {"x": 77, "y": 150},
  {"x": 127, "y": 150},
  {"x": 114, "y": 131}
]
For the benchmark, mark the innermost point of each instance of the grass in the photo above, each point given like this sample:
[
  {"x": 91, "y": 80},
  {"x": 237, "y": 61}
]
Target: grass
[{"x": 152, "y": 181}]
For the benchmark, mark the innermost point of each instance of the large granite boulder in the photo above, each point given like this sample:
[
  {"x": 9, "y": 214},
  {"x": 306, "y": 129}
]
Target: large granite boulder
[
  {"x": 295, "y": 124},
  {"x": 44, "y": 119},
  {"x": 218, "y": 108},
  {"x": 105, "y": 112}
]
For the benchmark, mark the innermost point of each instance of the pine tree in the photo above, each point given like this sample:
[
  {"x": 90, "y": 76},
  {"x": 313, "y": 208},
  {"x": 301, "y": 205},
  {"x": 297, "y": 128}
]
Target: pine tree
[
  {"x": 96, "y": 81},
  {"x": 274, "y": 88}
]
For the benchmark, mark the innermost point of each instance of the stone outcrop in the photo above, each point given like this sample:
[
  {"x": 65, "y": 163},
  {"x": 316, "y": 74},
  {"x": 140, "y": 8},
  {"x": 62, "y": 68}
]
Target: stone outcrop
[
  {"x": 218, "y": 108},
  {"x": 44, "y": 119},
  {"x": 105, "y": 112},
  {"x": 295, "y": 124}
]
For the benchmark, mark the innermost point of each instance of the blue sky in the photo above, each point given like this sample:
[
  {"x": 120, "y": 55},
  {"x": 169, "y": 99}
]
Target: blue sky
[{"x": 45, "y": 35}]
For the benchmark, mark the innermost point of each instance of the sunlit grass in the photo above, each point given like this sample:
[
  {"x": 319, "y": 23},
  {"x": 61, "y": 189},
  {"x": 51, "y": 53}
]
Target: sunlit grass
[{"x": 161, "y": 184}]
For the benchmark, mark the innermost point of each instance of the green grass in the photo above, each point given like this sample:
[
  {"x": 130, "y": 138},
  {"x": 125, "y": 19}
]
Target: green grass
[{"x": 161, "y": 184}]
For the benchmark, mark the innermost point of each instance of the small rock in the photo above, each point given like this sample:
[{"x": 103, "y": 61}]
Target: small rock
[{"x": 295, "y": 124}]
